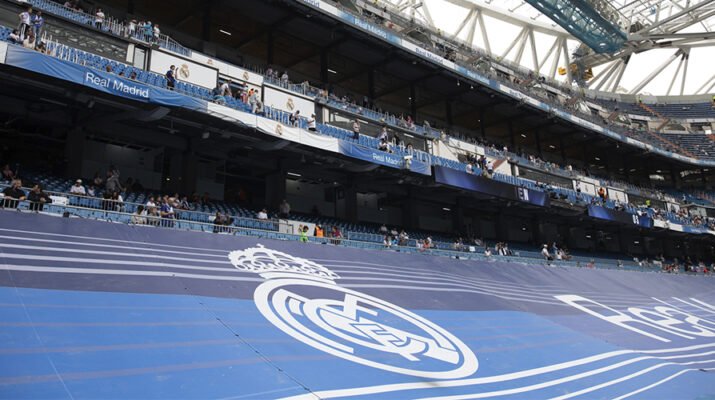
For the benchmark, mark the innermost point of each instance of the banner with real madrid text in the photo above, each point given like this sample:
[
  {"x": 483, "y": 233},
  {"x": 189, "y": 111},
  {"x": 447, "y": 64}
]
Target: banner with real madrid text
[{"x": 94, "y": 309}]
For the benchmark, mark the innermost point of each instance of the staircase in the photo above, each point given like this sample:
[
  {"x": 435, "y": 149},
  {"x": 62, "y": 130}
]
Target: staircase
[
  {"x": 670, "y": 145},
  {"x": 665, "y": 120}
]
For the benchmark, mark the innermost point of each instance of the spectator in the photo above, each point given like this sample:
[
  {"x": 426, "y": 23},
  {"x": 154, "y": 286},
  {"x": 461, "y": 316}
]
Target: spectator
[
  {"x": 99, "y": 18},
  {"x": 263, "y": 214},
  {"x": 383, "y": 229},
  {"x": 132, "y": 29},
  {"x": 25, "y": 23},
  {"x": 170, "y": 78},
  {"x": 14, "y": 37},
  {"x": 117, "y": 202},
  {"x": 284, "y": 209},
  {"x": 156, "y": 33},
  {"x": 140, "y": 216},
  {"x": 284, "y": 78},
  {"x": 37, "y": 23},
  {"x": 7, "y": 173},
  {"x": 303, "y": 231},
  {"x": 225, "y": 89},
  {"x": 545, "y": 253},
  {"x": 98, "y": 181},
  {"x": 38, "y": 198},
  {"x": 356, "y": 129},
  {"x": 113, "y": 184},
  {"x": 91, "y": 191},
  {"x": 336, "y": 234},
  {"x": 318, "y": 231},
  {"x": 312, "y": 126},
  {"x": 383, "y": 134},
  {"x": 14, "y": 194},
  {"x": 294, "y": 118},
  {"x": 167, "y": 213},
  {"x": 78, "y": 189},
  {"x": 383, "y": 146}
]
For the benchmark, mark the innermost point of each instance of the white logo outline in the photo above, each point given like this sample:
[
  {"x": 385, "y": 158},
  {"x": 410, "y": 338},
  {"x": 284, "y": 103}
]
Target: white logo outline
[{"x": 348, "y": 322}]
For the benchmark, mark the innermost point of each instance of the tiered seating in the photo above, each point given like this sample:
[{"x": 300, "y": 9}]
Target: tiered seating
[{"x": 698, "y": 144}]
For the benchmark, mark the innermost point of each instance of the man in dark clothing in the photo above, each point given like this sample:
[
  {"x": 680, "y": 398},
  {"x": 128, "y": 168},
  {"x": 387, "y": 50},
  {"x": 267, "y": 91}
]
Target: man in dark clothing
[
  {"x": 38, "y": 198},
  {"x": 14, "y": 194},
  {"x": 170, "y": 78}
]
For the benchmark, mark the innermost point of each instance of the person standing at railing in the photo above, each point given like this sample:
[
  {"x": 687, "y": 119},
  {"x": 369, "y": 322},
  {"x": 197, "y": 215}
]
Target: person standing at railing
[
  {"x": 99, "y": 18},
  {"x": 38, "y": 21},
  {"x": 13, "y": 194},
  {"x": 171, "y": 78},
  {"x": 38, "y": 198},
  {"x": 25, "y": 23},
  {"x": 132, "y": 28},
  {"x": 157, "y": 33}
]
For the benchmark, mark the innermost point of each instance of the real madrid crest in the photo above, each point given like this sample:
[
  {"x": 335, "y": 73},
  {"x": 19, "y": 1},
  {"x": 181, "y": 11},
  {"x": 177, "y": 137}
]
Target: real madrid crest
[
  {"x": 302, "y": 299},
  {"x": 245, "y": 76},
  {"x": 290, "y": 104},
  {"x": 184, "y": 71},
  {"x": 279, "y": 129}
]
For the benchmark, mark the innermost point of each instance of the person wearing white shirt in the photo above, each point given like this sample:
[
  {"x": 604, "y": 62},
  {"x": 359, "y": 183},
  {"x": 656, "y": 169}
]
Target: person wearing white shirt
[
  {"x": 99, "y": 18},
  {"x": 25, "y": 20},
  {"x": 545, "y": 253},
  {"x": 150, "y": 203},
  {"x": 312, "y": 126},
  {"x": 263, "y": 214},
  {"x": 78, "y": 189}
]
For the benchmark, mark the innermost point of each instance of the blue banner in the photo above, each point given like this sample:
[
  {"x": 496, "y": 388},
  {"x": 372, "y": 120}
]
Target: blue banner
[
  {"x": 619, "y": 216},
  {"x": 383, "y": 158},
  {"x": 116, "y": 307},
  {"x": 99, "y": 80},
  {"x": 476, "y": 183}
]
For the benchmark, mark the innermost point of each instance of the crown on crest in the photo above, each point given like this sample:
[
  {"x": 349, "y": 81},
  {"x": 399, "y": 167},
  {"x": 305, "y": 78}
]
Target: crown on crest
[{"x": 262, "y": 261}]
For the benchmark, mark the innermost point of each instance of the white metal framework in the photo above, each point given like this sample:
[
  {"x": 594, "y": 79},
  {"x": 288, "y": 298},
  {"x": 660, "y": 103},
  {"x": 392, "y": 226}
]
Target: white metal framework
[{"x": 663, "y": 37}]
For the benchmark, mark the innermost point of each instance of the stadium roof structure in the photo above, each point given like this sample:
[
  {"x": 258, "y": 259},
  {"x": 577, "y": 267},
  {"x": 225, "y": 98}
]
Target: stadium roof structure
[{"x": 659, "y": 47}]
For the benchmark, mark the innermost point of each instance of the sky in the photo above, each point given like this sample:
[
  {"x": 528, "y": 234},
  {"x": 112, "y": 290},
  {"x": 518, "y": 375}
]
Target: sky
[{"x": 448, "y": 17}]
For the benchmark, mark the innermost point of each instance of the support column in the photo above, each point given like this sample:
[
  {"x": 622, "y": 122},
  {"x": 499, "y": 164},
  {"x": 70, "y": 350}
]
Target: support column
[
  {"x": 512, "y": 140},
  {"x": 413, "y": 101},
  {"x": 324, "y": 65},
  {"x": 74, "y": 152},
  {"x": 371, "y": 85},
  {"x": 482, "y": 114},
  {"x": 269, "y": 47},
  {"x": 458, "y": 224},
  {"x": 190, "y": 167},
  {"x": 537, "y": 138},
  {"x": 206, "y": 23},
  {"x": 408, "y": 211},
  {"x": 351, "y": 205},
  {"x": 275, "y": 189},
  {"x": 535, "y": 232},
  {"x": 448, "y": 113}
]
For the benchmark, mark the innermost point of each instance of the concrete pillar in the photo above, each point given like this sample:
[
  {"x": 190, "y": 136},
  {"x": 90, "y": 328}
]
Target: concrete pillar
[
  {"x": 371, "y": 84},
  {"x": 448, "y": 113},
  {"x": 324, "y": 65},
  {"x": 409, "y": 215},
  {"x": 190, "y": 165},
  {"x": 275, "y": 189},
  {"x": 537, "y": 138},
  {"x": 269, "y": 48},
  {"x": 74, "y": 152},
  {"x": 351, "y": 206}
]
